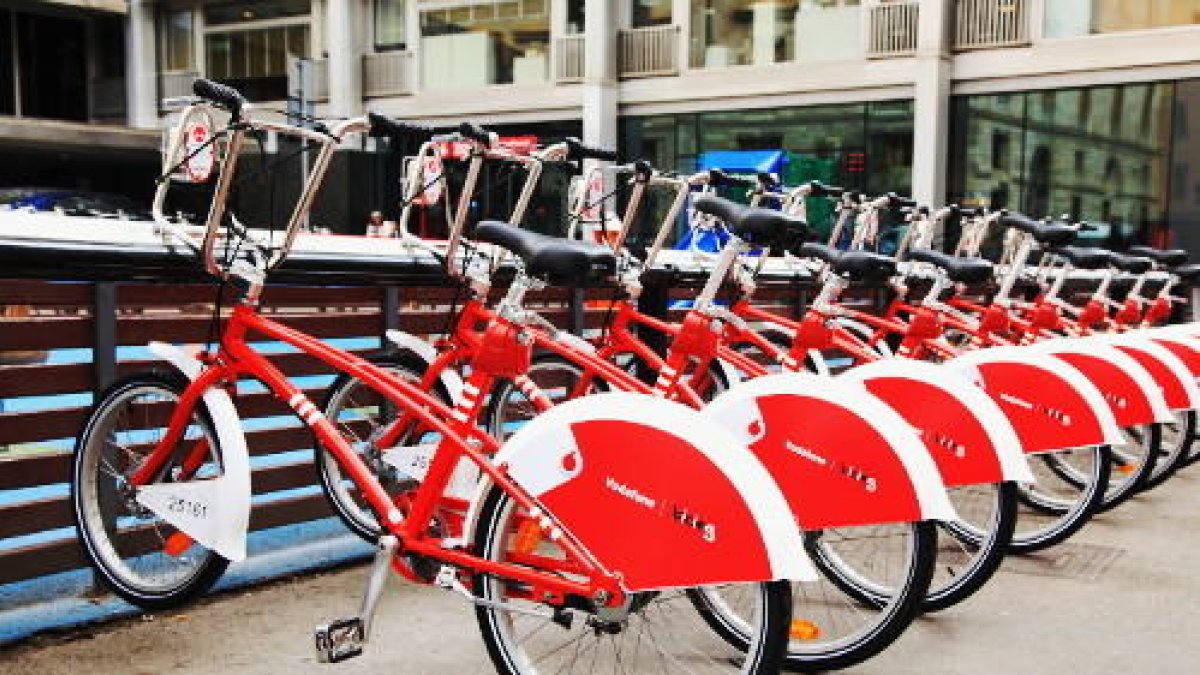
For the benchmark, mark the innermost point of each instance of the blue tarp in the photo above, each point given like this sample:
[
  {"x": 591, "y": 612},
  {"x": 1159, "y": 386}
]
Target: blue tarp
[{"x": 744, "y": 161}]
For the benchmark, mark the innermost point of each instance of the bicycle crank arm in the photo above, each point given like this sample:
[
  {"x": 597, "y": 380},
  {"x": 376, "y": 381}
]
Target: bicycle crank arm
[{"x": 343, "y": 639}]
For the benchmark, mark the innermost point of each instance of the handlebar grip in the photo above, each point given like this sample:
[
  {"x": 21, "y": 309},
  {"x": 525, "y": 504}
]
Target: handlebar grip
[
  {"x": 1019, "y": 221},
  {"x": 577, "y": 150},
  {"x": 898, "y": 202},
  {"x": 475, "y": 133},
  {"x": 222, "y": 94},
  {"x": 1085, "y": 226},
  {"x": 767, "y": 180},
  {"x": 382, "y": 125},
  {"x": 643, "y": 169},
  {"x": 717, "y": 178},
  {"x": 819, "y": 189}
]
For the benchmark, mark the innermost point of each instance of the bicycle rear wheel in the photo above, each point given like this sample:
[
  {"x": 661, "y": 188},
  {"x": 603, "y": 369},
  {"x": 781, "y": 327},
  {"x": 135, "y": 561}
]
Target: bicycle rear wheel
[
  {"x": 971, "y": 549},
  {"x": 137, "y": 554},
  {"x": 658, "y": 631},
  {"x": 1052, "y": 508},
  {"x": 1176, "y": 443}
]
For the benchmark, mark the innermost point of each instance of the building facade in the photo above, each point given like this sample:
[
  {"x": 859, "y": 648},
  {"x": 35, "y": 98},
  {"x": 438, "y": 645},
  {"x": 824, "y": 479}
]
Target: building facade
[{"x": 1082, "y": 107}]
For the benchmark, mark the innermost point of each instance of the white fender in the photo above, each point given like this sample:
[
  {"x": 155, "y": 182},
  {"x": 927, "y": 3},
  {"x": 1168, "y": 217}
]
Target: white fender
[
  {"x": 969, "y": 362},
  {"x": 565, "y": 459},
  {"x": 1004, "y": 440},
  {"x": 215, "y": 512},
  {"x": 1089, "y": 346},
  {"x": 449, "y": 377},
  {"x": 738, "y": 409},
  {"x": 1160, "y": 353}
]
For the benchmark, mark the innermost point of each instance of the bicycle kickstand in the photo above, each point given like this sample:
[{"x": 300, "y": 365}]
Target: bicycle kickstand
[{"x": 343, "y": 639}]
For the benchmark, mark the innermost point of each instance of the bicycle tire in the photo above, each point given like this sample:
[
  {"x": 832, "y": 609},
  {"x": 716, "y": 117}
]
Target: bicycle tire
[
  {"x": 120, "y": 537},
  {"x": 985, "y": 549},
  {"x": 1067, "y": 509},
  {"x": 654, "y": 630},
  {"x": 354, "y": 512},
  {"x": 1177, "y": 440}
]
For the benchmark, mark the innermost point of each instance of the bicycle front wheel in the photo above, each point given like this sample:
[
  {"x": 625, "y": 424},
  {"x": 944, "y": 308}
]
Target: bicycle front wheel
[
  {"x": 137, "y": 554},
  {"x": 659, "y": 631}
]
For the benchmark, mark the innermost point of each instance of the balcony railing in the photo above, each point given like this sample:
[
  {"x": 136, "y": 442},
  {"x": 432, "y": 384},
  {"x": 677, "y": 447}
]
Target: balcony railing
[
  {"x": 985, "y": 24},
  {"x": 647, "y": 52},
  {"x": 108, "y": 97},
  {"x": 568, "y": 64},
  {"x": 176, "y": 83},
  {"x": 893, "y": 30},
  {"x": 387, "y": 74}
]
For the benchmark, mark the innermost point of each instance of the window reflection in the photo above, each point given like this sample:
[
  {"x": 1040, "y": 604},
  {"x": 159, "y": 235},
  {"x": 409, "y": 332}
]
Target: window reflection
[
  {"x": 741, "y": 32},
  {"x": 495, "y": 42},
  {"x": 1096, "y": 154},
  {"x": 1070, "y": 18}
]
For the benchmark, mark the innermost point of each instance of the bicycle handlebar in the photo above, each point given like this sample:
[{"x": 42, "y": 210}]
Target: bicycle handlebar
[
  {"x": 819, "y": 189},
  {"x": 475, "y": 133},
  {"x": 577, "y": 150},
  {"x": 382, "y": 125},
  {"x": 717, "y": 178},
  {"x": 223, "y": 95}
]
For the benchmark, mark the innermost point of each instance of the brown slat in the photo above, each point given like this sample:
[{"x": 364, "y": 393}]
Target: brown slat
[
  {"x": 42, "y": 332},
  {"x": 53, "y": 513},
  {"x": 65, "y": 554},
  {"x": 172, "y": 295},
  {"x": 33, "y": 292},
  {"x": 139, "y": 330},
  {"x": 40, "y": 380}
]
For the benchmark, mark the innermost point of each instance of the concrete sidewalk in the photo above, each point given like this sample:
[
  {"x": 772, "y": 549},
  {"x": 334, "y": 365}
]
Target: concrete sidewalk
[{"x": 1123, "y": 597}]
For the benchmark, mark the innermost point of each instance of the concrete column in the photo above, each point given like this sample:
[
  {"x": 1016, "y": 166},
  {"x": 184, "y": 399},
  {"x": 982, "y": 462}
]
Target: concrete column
[
  {"x": 600, "y": 74},
  {"x": 558, "y": 29},
  {"x": 1037, "y": 20},
  {"x": 344, "y": 45},
  {"x": 681, "y": 15},
  {"x": 412, "y": 43},
  {"x": 141, "y": 68},
  {"x": 931, "y": 105}
]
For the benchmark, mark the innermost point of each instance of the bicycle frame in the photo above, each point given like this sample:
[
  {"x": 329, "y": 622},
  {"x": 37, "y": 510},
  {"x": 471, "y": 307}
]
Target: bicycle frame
[{"x": 236, "y": 358}]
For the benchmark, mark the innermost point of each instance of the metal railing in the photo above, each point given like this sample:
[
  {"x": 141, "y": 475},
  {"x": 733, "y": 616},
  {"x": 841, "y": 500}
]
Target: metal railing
[
  {"x": 892, "y": 29},
  {"x": 568, "y": 63},
  {"x": 176, "y": 83},
  {"x": 986, "y": 24},
  {"x": 387, "y": 74},
  {"x": 647, "y": 52}
]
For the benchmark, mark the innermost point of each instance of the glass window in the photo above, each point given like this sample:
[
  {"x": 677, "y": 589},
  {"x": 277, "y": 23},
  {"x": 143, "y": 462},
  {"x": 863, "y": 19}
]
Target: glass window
[
  {"x": 1097, "y": 154},
  {"x": 390, "y": 27},
  {"x": 1070, "y": 18},
  {"x": 255, "y": 61},
  {"x": 176, "y": 36},
  {"x": 740, "y": 32},
  {"x": 644, "y": 13},
  {"x": 575, "y": 16},
  {"x": 464, "y": 47}
]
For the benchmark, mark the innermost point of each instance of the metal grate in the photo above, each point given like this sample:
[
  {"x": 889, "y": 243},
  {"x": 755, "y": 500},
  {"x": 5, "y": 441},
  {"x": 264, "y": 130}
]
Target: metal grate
[{"x": 1069, "y": 561}]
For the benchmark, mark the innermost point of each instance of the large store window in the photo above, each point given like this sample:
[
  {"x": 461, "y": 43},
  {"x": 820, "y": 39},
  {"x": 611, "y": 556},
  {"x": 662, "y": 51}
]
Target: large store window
[
  {"x": 248, "y": 45},
  {"x": 1069, "y": 18},
  {"x": 390, "y": 24},
  {"x": 482, "y": 43},
  {"x": 741, "y": 32},
  {"x": 1098, "y": 154},
  {"x": 863, "y": 146},
  {"x": 1184, "y": 210}
]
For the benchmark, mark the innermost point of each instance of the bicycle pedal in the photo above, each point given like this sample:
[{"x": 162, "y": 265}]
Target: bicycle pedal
[{"x": 340, "y": 640}]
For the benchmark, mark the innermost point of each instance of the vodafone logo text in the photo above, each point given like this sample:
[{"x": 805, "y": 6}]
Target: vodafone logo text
[{"x": 680, "y": 514}]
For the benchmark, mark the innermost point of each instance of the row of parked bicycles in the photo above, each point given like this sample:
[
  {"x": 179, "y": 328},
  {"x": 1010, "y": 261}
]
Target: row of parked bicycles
[{"x": 734, "y": 491}]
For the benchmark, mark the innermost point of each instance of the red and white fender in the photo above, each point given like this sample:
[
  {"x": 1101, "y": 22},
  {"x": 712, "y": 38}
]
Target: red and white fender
[
  {"x": 966, "y": 433},
  {"x": 449, "y": 377},
  {"x": 217, "y": 511},
  {"x": 1132, "y": 393},
  {"x": 656, "y": 492},
  {"x": 1050, "y": 405},
  {"x": 841, "y": 456},
  {"x": 1182, "y": 344},
  {"x": 1175, "y": 379}
]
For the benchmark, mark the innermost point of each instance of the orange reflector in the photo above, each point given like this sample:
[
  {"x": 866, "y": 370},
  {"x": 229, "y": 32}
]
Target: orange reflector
[
  {"x": 177, "y": 543},
  {"x": 1127, "y": 468},
  {"x": 529, "y": 535},
  {"x": 803, "y": 629}
]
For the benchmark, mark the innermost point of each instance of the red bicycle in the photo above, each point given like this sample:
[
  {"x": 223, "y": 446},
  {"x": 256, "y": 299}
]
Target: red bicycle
[{"x": 161, "y": 492}]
